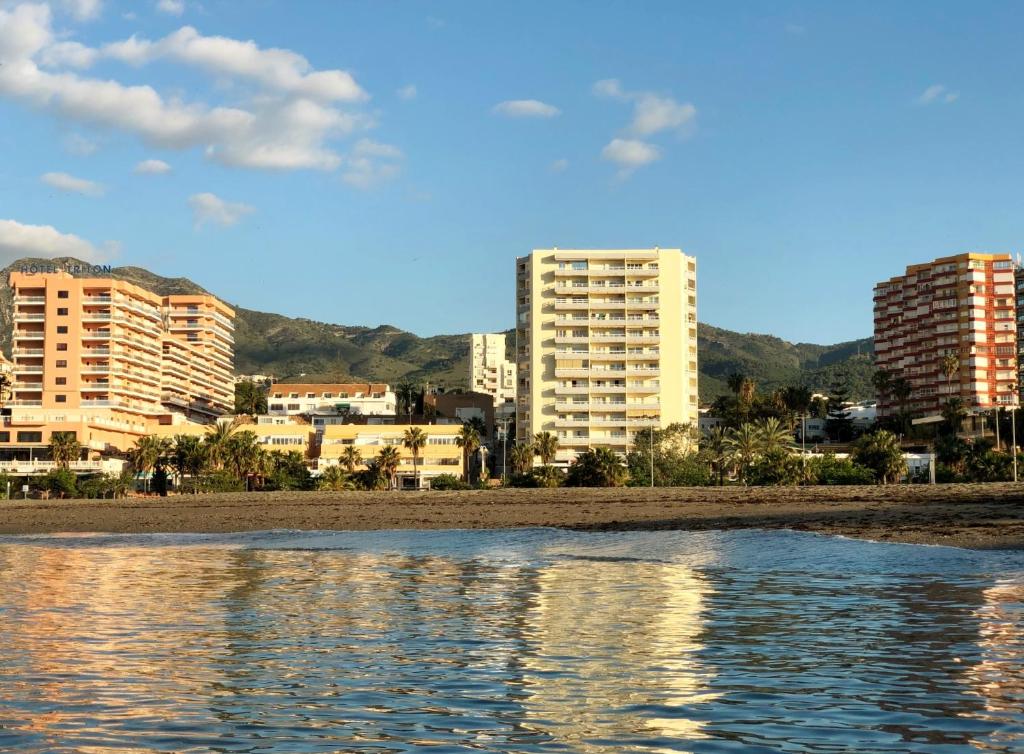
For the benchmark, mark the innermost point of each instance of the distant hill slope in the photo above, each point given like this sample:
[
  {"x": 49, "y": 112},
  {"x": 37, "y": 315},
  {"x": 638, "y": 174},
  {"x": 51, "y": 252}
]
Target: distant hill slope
[{"x": 310, "y": 351}]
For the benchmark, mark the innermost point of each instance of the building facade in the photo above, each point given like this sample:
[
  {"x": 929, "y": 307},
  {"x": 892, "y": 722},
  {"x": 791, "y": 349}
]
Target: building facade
[
  {"x": 441, "y": 454},
  {"x": 490, "y": 372},
  {"x": 962, "y": 306},
  {"x": 108, "y": 361},
  {"x": 606, "y": 345},
  {"x": 288, "y": 399}
]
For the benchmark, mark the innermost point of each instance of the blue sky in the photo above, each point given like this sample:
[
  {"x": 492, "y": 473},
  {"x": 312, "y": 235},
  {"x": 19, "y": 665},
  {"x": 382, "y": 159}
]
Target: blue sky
[{"x": 367, "y": 163}]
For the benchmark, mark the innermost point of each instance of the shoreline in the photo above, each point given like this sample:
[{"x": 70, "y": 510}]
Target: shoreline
[{"x": 973, "y": 516}]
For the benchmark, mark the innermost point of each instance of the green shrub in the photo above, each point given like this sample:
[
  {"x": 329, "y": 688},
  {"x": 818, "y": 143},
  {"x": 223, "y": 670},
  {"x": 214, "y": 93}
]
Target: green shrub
[
  {"x": 57, "y": 483},
  {"x": 778, "y": 468},
  {"x": 831, "y": 470},
  {"x": 214, "y": 481},
  {"x": 447, "y": 482}
]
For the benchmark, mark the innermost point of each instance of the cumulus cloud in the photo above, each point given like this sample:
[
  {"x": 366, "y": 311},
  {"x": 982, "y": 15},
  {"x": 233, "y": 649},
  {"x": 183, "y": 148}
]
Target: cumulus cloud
[
  {"x": 937, "y": 94},
  {"x": 83, "y": 10},
  {"x": 652, "y": 114},
  {"x": 152, "y": 167},
  {"x": 171, "y": 7},
  {"x": 210, "y": 208},
  {"x": 559, "y": 165},
  {"x": 287, "y": 123},
  {"x": 630, "y": 154},
  {"x": 525, "y": 108},
  {"x": 371, "y": 164},
  {"x": 65, "y": 182},
  {"x": 20, "y": 240},
  {"x": 407, "y": 92}
]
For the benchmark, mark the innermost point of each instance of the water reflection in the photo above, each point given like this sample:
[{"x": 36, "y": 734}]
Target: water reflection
[{"x": 538, "y": 641}]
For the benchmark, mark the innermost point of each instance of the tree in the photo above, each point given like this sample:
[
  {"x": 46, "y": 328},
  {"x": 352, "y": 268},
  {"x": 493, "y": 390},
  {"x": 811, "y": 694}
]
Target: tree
[
  {"x": 798, "y": 401},
  {"x": 522, "y": 457},
  {"x": 372, "y": 477},
  {"x": 675, "y": 463},
  {"x": 149, "y": 454},
  {"x": 717, "y": 448},
  {"x": 406, "y": 394},
  {"x": 599, "y": 467},
  {"x": 216, "y": 440},
  {"x": 950, "y": 366},
  {"x": 415, "y": 438},
  {"x": 350, "y": 458},
  {"x": 882, "y": 382},
  {"x": 838, "y": 424},
  {"x": 953, "y": 415},
  {"x": 744, "y": 443},
  {"x": 243, "y": 455},
  {"x": 64, "y": 448},
  {"x": 388, "y": 460},
  {"x": 333, "y": 478},
  {"x": 188, "y": 455},
  {"x": 902, "y": 390},
  {"x": 250, "y": 398},
  {"x": 546, "y": 445},
  {"x": 881, "y": 453},
  {"x": 469, "y": 440},
  {"x": 773, "y": 436}
]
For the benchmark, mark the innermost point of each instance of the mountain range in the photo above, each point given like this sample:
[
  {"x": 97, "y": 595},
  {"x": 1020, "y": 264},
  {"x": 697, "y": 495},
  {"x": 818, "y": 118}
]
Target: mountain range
[{"x": 305, "y": 350}]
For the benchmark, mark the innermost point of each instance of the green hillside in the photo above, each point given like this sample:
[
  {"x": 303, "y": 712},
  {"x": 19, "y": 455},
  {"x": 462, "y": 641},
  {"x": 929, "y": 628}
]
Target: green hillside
[{"x": 310, "y": 351}]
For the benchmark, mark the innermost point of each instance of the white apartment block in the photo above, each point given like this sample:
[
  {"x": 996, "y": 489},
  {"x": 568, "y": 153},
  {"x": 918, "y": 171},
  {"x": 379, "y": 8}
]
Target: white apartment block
[
  {"x": 489, "y": 371},
  {"x": 606, "y": 345},
  {"x": 288, "y": 399}
]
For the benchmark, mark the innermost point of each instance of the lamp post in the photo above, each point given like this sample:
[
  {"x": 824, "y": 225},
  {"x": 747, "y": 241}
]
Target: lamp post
[
  {"x": 1013, "y": 427},
  {"x": 652, "y": 453}
]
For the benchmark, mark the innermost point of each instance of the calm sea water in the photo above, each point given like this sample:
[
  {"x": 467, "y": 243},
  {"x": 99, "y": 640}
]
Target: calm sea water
[{"x": 508, "y": 641}]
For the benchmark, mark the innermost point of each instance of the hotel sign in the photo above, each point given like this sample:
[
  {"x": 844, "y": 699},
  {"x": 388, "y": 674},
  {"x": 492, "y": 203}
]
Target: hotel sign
[{"x": 71, "y": 269}]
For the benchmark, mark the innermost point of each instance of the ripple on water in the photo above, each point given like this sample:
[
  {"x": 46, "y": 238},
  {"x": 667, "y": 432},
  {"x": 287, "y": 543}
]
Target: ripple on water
[{"x": 508, "y": 641}]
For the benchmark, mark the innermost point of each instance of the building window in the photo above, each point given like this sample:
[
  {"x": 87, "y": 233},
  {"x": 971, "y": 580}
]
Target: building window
[
  {"x": 311, "y": 395},
  {"x": 293, "y": 395},
  {"x": 62, "y": 312},
  {"x": 328, "y": 396},
  {"x": 61, "y": 398},
  {"x": 276, "y": 406},
  {"x": 30, "y": 437},
  {"x": 293, "y": 406},
  {"x": 5, "y": 436},
  {"x": 62, "y": 380},
  {"x": 62, "y": 329},
  {"x": 62, "y": 294},
  {"x": 61, "y": 363},
  {"x": 62, "y": 346}
]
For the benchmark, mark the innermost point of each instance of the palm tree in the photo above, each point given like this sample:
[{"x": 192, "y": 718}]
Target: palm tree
[
  {"x": 217, "y": 437},
  {"x": 953, "y": 415},
  {"x": 188, "y": 455},
  {"x": 611, "y": 466},
  {"x": 387, "y": 460},
  {"x": 745, "y": 443},
  {"x": 333, "y": 478},
  {"x": 350, "y": 458},
  {"x": 64, "y": 448},
  {"x": 250, "y": 398},
  {"x": 717, "y": 447},
  {"x": 406, "y": 394},
  {"x": 415, "y": 438},
  {"x": 546, "y": 445},
  {"x": 243, "y": 455},
  {"x": 774, "y": 436},
  {"x": 522, "y": 457},
  {"x": 880, "y": 452},
  {"x": 469, "y": 440},
  {"x": 950, "y": 366},
  {"x": 882, "y": 382}
]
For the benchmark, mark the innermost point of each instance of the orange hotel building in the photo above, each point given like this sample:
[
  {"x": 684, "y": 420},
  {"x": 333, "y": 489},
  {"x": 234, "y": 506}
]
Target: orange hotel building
[
  {"x": 963, "y": 305},
  {"x": 111, "y": 361}
]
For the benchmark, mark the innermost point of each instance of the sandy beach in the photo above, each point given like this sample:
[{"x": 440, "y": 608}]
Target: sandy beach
[{"x": 975, "y": 516}]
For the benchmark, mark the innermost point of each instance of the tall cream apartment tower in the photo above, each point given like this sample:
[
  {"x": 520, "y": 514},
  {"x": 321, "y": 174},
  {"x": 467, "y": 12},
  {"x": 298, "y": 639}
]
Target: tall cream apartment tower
[
  {"x": 489, "y": 371},
  {"x": 606, "y": 345}
]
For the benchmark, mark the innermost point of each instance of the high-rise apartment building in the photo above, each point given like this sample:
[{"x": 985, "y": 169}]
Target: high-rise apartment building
[
  {"x": 962, "y": 305},
  {"x": 489, "y": 371},
  {"x": 606, "y": 345},
  {"x": 109, "y": 360}
]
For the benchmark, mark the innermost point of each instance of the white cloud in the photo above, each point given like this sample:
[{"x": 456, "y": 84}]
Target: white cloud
[
  {"x": 371, "y": 163},
  {"x": 79, "y": 145},
  {"x": 937, "y": 93},
  {"x": 608, "y": 88},
  {"x": 652, "y": 114},
  {"x": 83, "y": 10},
  {"x": 407, "y": 92},
  {"x": 71, "y": 184},
  {"x": 209, "y": 208},
  {"x": 19, "y": 240},
  {"x": 171, "y": 7},
  {"x": 630, "y": 154},
  {"x": 286, "y": 123},
  {"x": 525, "y": 108},
  {"x": 152, "y": 167},
  {"x": 559, "y": 165}
]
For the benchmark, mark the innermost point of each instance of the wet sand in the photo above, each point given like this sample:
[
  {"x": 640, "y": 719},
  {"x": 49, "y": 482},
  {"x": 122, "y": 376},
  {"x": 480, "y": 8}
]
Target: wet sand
[{"x": 975, "y": 516}]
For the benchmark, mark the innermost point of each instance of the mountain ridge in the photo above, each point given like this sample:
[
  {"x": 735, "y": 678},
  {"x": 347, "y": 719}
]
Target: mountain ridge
[{"x": 303, "y": 349}]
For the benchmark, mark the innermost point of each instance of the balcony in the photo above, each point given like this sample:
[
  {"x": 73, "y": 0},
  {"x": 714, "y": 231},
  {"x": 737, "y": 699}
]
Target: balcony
[
  {"x": 27, "y": 352},
  {"x": 25, "y": 369},
  {"x": 23, "y": 317},
  {"x": 30, "y": 299},
  {"x": 565, "y": 339},
  {"x": 572, "y": 390},
  {"x": 25, "y": 404}
]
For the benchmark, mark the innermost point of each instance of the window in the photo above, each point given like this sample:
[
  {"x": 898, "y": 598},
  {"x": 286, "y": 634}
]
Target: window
[
  {"x": 328, "y": 396},
  {"x": 62, "y": 329},
  {"x": 30, "y": 437},
  {"x": 276, "y": 406},
  {"x": 61, "y": 398},
  {"x": 293, "y": 406},
  {"x": 62, "y": 380},
  {"x": 311, "y": 395},
  {"x": 62, "y": 294},
  {"x": 62, "y": 312},
  {"x": 62, "y": 346},
  {"x": 293, "y": 395},
  {"x": 61, "y": 364},
  {"x": 5, "y": 436}
]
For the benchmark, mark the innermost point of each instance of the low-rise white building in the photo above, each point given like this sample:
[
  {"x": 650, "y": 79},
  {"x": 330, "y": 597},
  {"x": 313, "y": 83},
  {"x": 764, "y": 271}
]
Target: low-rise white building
[{"x": 363, "y": 398}]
